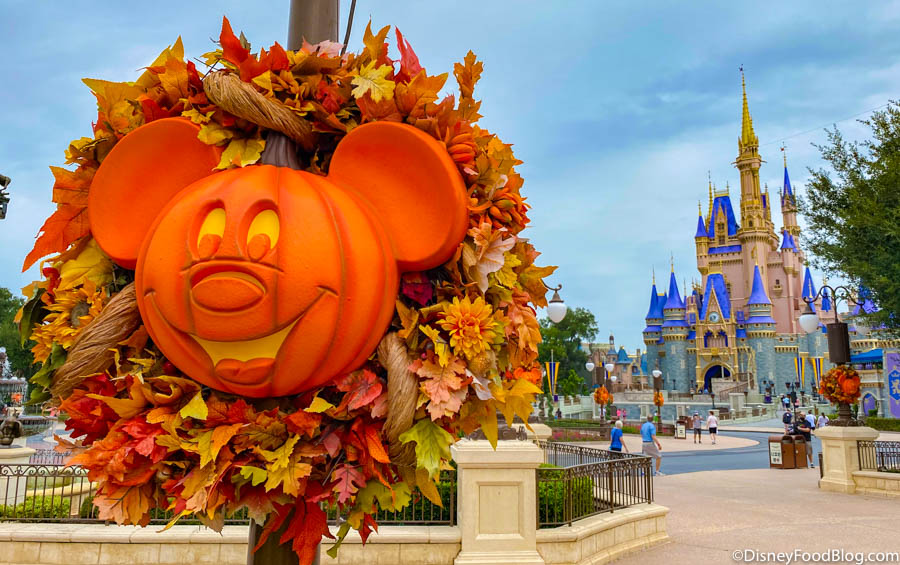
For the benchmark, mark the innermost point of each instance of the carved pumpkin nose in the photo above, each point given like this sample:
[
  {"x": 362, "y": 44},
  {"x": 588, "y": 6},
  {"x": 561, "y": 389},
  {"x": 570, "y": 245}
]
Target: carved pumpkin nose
[{"x": 228, "y": 291}]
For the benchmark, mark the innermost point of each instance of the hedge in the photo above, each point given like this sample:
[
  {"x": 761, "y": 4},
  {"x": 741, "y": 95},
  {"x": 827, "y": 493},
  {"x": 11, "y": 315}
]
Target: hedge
[
  {"x": 884, "y": 424},
  {"x": 38, "y": 507}
]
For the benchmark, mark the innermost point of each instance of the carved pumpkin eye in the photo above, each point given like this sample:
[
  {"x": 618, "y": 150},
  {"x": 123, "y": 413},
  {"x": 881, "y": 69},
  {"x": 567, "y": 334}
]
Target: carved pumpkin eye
[
  {"x": 262, "y": 235},
  {"x": 211, "y": 230}
]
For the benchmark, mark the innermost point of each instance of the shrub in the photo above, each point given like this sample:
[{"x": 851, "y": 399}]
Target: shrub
[
  {"x": 884, "y": 424},
  {"x": 552, "y": 496},
  {"x": 38, "y": 507}
]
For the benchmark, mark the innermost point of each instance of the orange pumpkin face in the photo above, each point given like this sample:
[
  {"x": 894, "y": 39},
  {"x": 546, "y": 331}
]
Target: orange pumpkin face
[{"x": 266, "y": 281}]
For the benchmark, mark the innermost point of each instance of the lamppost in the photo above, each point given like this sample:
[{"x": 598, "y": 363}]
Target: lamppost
[
  {"x": 556, "y": 311},
  {"x": 657, "y": 385},
  {"x": 607, "y": 382},
  {"x": 838, "y": 337},
  {"x": 4, "y": 196}
]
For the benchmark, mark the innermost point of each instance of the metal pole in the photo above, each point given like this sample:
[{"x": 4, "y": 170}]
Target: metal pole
[{"x": 315, "y": 21}]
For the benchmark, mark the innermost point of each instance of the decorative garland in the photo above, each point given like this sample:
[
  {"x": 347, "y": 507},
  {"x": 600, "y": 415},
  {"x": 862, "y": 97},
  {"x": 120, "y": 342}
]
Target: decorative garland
[
  {"x": 840, "y": 384},
  {"x": 658, "y": 399},
  {"x": 151, "y": 438},
  {"x": 602, "y": 396}
]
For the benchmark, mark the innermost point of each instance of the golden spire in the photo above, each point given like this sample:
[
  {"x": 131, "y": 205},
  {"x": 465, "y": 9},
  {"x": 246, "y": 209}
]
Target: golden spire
[
  {"x": 709, "y": 211},
  {"x": 784, "y": 153},
  {"x": 700, "y": 208},
  {"x": 672, "y": 260},
  {"x": 653, "y": 270},
  {"x": 748, "y": 137}
]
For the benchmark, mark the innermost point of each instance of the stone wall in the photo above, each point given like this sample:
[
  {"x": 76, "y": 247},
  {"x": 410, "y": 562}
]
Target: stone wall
[{"x": 877, "y": 484}]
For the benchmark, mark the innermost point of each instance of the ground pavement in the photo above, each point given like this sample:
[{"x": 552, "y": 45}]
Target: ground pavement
[
  {"x": 715, "y": 513},
  {"x": 672, "y": 445},
  {"x": 775, "y": 426}
]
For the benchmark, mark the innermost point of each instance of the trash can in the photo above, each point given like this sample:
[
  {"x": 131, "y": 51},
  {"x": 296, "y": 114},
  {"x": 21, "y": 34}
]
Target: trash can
[
  {"x": 776, "y": 457},
  {"x": 800, "y": 452},
  {"x": 788, "y": 453}
]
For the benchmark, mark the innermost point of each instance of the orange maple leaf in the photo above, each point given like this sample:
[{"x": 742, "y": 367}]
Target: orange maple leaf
[{"x": 66, "y": 225}]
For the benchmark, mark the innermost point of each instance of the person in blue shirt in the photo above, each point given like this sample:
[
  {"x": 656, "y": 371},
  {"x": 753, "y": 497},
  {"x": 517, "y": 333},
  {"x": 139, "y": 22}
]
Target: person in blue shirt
[
  {"x": 615, "y": 438},
  {"x": 650, "y": 445}
]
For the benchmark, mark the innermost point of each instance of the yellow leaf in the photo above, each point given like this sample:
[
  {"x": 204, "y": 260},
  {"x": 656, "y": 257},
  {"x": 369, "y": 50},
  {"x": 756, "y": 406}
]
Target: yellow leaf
[
  {"x": 427, "y": 487},
  {"x": 176, "y": 51},
  {"x": 254, "y": 474},
  {"x": 91, "y": 264},
  {"x": 264, "y": 81},
  {"x": 372, "y": 80},
  {"x": 440, "y": 345},
  {"x": 432, "y": 444},
  {"x": 518, "y": 399},
  {"x": 198, "y": 117},
  {"x": 210, "y": 443},
  {"x": 195, "y": 409},
  {"x": 242, "y": 152},
  {"x": 319, "y": 405},
  {"x": 409, "y": 317},
  {"x": 214, "y": 134}
]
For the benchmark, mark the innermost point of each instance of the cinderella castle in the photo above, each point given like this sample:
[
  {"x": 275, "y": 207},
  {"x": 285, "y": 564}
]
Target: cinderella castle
[{"x": 738, "y": 329}]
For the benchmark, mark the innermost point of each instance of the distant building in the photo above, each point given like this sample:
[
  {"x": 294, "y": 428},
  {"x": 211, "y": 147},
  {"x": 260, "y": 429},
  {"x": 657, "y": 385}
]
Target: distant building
[
  {"x": 740, "y": 323},
  {"x": 630, "y": 368}
]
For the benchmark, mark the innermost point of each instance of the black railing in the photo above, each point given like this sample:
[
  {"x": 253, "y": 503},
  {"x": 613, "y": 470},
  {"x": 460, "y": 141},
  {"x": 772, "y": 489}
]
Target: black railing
[
  {"x": 585, "y": 482},
  {"x": 879, "y": 455},
  {"x": 49, "y": 492}
]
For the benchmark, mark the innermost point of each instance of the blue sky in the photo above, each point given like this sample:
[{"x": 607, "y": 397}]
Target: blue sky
[{"x": 618, "y": 109}]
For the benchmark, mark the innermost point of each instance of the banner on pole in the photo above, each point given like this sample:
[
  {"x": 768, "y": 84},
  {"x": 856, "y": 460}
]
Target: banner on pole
[{"x": 552, "y": 373}]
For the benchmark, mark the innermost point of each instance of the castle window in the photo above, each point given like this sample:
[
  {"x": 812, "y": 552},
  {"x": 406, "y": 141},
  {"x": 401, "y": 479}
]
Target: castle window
[{"x": 751, "y": 223}]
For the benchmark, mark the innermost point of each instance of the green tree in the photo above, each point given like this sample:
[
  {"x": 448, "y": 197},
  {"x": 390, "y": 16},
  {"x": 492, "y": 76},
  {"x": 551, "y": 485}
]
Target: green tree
[
  {"x": 564, "y": 341},
  {"x": 20, "y": 358},
  {"x": 854, "y": 213}
]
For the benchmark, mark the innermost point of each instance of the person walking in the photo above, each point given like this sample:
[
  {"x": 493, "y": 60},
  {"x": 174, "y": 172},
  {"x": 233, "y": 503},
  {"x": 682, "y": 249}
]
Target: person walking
[
  {"x": 615, "y": 438},
  {"x": 650, "y": 444},
  {"x": 697, "y": 424},
  {"x": 786, "y": 420},
  {"x": 822, "y": 421},
  {"x": 712, "y": 424},
  {"x": 803, "y": 428}
]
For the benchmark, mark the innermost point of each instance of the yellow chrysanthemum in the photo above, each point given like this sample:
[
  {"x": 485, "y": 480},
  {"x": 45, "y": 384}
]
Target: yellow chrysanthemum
[
  {"x": 71, "y": 311},
  {"x": 471, "y": 325}
]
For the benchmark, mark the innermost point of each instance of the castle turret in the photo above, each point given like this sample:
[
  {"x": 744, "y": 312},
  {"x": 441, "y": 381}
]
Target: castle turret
[
  {"x": 701, "y": 239},
  {"x": 674, "y": 333},
  {"x": 789, "y": 204},
  {"x": 760, "y": 330},
  {"x": 809, "y": 289}
]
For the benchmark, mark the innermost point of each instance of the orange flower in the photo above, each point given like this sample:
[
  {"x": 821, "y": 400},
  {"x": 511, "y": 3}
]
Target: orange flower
[{"x": 471, "y": 325}]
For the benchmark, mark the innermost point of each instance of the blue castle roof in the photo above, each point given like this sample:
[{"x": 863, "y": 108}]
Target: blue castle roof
[
  {"x": 758, "y": 294},
  {"x": 654, "y": 297},
  {"x": 740, "y": 333},
  {"x": 787, "y": 193},
  {"x": 787, "y": 241},
  {"x": 722, "y": 203},
  {"x": 674, "y": 300},
  {"x": 622, "y": 357},
  {"x": 701, "y": 228},
  {"x": 809, "y": 289},
  {"x": 715, "y": 283}
]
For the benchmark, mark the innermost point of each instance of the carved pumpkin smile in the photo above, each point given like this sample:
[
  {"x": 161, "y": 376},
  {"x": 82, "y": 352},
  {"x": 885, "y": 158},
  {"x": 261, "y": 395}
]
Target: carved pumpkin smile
[{"x": 268, "y": 281}]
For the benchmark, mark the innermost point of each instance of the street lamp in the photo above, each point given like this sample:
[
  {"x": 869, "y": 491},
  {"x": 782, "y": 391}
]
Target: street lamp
[
  {"x": 556, "y": 308},
  {"x": 838, "y": 337},
  {"x": 589, "y": 366}
]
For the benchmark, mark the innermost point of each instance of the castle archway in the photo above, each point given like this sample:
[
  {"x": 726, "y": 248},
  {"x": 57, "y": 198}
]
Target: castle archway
[{"x": 715, "y": 371}]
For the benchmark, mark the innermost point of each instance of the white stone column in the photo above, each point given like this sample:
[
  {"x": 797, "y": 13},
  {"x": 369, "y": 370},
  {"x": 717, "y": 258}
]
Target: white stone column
[
  {"x": 12, "y": 489},
  {"x": 497, "y": 510},
  {"x": 841, "y": 456}
]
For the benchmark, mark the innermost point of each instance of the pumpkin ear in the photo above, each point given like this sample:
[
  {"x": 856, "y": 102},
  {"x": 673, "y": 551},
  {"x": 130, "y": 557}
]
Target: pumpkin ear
[
  {"x": 139, "y": 177},
  {"x": 412, "y": 183}
]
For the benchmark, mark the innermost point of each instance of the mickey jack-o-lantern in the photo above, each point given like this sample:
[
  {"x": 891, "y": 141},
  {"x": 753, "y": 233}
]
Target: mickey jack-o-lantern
[{"x": 264, "y": 280}]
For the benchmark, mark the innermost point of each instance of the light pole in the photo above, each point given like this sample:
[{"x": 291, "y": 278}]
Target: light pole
[
  {"x": 657, "y": 385},
  {"x": 556, "y": 311},
  {"x": 838, "y": 337}
]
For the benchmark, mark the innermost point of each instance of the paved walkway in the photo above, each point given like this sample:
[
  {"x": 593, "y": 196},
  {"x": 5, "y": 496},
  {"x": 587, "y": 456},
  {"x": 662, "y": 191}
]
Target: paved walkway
[
  {"x": 715, "y": 513},
  {"x": 671, "y": 445}
]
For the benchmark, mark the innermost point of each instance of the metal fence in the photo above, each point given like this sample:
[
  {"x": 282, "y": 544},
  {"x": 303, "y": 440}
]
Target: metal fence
[
  {"x": 879, "y": 455},
  {"x": 46, "y": 491},
  {"x": 589, "y": 481},
  {"x": 48, "y": 457}
]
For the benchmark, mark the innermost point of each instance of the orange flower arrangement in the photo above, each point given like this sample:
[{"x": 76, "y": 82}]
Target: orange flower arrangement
[
  {"x": 840, "y": 384},
  {"x": 602, "y": 396},
  {"x": 658, "y": 398}
]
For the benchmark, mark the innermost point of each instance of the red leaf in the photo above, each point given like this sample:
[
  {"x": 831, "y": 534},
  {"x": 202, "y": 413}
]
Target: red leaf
[
  {"x": 306, "y": 529},
  {"x": 303, "y": 423},
  {"x": 232, "y": 50},
  {"x": 348, "y": 480},
  {"x": 362, "y": 387},
  {"x": 418, "y": 287},
  {"x": 274, "y": 521},
  {"x": 409, "y": 62},
  {"x": 368, "y": 525}
]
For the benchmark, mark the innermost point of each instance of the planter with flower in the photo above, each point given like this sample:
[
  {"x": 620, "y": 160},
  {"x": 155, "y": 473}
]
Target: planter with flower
[
  {"x": 841, "y": 386},
  {"x": 283, "y": 284},
  {"x": 603, "y": 398}
]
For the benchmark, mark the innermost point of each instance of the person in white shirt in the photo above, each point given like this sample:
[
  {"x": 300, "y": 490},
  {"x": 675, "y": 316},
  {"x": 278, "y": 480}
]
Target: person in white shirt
[
  {"x": 712, "y": 424},
  {"x": 822, "y": 421}
]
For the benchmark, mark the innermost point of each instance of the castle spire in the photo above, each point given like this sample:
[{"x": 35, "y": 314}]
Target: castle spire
[
  {"x": 758, "y": 294},
  {"x": 709, "y": 210},
  {"x": 748, "y": 137}
]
